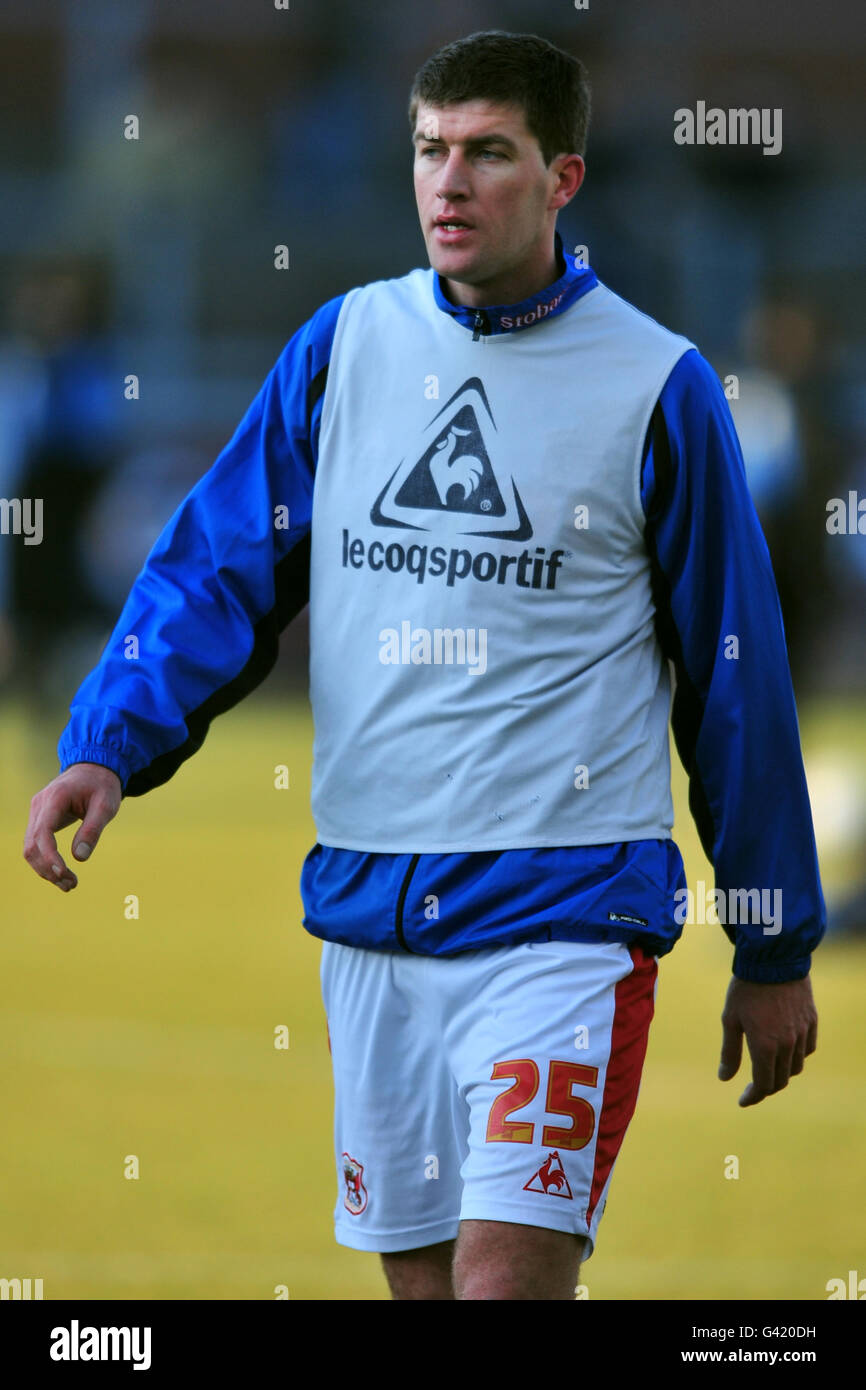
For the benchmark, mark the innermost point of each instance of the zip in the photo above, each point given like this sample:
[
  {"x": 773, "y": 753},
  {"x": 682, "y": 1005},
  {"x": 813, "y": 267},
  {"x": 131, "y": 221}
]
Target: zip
[
  {"x": 482, "y": 324},
  {"x": 404, "y": 889}
]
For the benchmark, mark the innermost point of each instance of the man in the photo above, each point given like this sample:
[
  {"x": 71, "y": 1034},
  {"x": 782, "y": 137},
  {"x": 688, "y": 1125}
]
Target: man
[{"x": 515, "y": 498}]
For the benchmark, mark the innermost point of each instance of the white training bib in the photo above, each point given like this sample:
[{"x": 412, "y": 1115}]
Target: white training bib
[{"x": 484, "y": 670}]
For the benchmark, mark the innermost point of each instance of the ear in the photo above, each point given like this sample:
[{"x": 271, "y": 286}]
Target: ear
[{"x": 570, "y": 170}]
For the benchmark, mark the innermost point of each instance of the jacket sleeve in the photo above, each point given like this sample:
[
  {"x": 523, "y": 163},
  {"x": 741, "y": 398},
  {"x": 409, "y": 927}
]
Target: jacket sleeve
[
  {"x": 200, "y": 627},
  {"x": 734, "y": 717}
]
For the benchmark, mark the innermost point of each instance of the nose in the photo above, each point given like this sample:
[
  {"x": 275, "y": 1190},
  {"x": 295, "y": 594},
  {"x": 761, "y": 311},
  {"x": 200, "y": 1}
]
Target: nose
[{"x": 452, "y": 181}]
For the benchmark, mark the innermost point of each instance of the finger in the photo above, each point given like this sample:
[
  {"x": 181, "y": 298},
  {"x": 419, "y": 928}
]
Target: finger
[
  {"x": 732, "y": 1050},
  {"x": 763, "y": 1077},
  {"x": 812, "y": 1036},
  {"x": 40, "y": 847},
  {"x": 782, "y": 1071},
  {"x": 798, "y": 1058},
  {"x": 45, "y": 859}
]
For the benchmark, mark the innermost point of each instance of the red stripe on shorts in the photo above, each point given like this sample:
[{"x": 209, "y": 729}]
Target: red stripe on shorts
[{"x": 632, "y": 1014}]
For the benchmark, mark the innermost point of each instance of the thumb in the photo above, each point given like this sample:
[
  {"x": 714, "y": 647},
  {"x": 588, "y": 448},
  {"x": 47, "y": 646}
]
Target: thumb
[
  {"x": 732, "y": 1050},
  {"x": 84, "y": 841},
  {"x": 88, "y": 833}
]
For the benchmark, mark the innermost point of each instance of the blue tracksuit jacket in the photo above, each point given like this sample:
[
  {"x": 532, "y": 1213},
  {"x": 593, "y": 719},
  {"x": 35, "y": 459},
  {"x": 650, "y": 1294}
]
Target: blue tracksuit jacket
[{"x": 222, "y": 582}]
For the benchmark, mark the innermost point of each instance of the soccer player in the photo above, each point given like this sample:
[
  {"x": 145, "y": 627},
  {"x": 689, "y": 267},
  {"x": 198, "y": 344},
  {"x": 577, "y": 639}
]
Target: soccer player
[{"x": 513, "y": 501}]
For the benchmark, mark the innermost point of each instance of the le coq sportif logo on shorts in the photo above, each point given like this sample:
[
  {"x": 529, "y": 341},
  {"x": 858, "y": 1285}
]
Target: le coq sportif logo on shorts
[{"x": 453, "y": 476}]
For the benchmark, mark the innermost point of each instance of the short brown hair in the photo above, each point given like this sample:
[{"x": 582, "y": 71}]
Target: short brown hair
[{"x": 513, "y": 69}]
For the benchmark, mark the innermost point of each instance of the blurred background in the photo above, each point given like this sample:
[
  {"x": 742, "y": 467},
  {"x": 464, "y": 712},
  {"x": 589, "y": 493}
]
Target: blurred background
[{"x": 154, "y": 256}]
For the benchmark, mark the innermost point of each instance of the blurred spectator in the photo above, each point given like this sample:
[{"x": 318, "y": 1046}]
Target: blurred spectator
[
  {"x": 65, "y": 450},
  {"x": 788, "y": 418}
]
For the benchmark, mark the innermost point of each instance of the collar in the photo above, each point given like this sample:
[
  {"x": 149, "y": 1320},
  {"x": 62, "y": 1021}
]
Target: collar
[{"x": 509, "y": 318}]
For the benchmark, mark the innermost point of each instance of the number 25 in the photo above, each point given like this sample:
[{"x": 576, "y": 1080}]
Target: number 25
[{"x": 561, "y": 1077}]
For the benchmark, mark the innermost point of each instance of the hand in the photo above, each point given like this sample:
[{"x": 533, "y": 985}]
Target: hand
[
  {"x": 85, "y": 791},
  {"x": 781, "y": 1027}
]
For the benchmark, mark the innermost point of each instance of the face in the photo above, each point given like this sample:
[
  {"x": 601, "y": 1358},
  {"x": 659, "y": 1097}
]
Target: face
[{"x": 476, "y": 164}]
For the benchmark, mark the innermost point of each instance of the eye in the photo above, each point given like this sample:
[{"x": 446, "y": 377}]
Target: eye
[{"x": 494, "y": 153}]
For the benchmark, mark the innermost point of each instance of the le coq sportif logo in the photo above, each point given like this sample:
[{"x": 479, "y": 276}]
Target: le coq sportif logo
[{"x": 453, "y": 476}]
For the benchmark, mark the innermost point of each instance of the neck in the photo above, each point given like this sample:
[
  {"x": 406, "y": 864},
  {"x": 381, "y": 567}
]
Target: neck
[{"x": 510, "y": 288}]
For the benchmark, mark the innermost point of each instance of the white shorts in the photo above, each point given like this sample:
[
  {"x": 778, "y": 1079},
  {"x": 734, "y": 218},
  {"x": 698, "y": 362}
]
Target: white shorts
[{"x": 494, "y": 1085}]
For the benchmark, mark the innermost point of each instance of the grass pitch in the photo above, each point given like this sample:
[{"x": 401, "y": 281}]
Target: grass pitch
[{"x": 153, "y": 1036}]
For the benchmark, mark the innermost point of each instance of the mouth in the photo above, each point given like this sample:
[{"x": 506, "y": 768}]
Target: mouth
[{"x": 450, "y": 230}]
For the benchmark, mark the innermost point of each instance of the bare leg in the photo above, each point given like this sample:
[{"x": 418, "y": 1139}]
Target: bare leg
[
  {"x": 421, "y": 1274},
  {"x": 503, "y": 1260}
]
